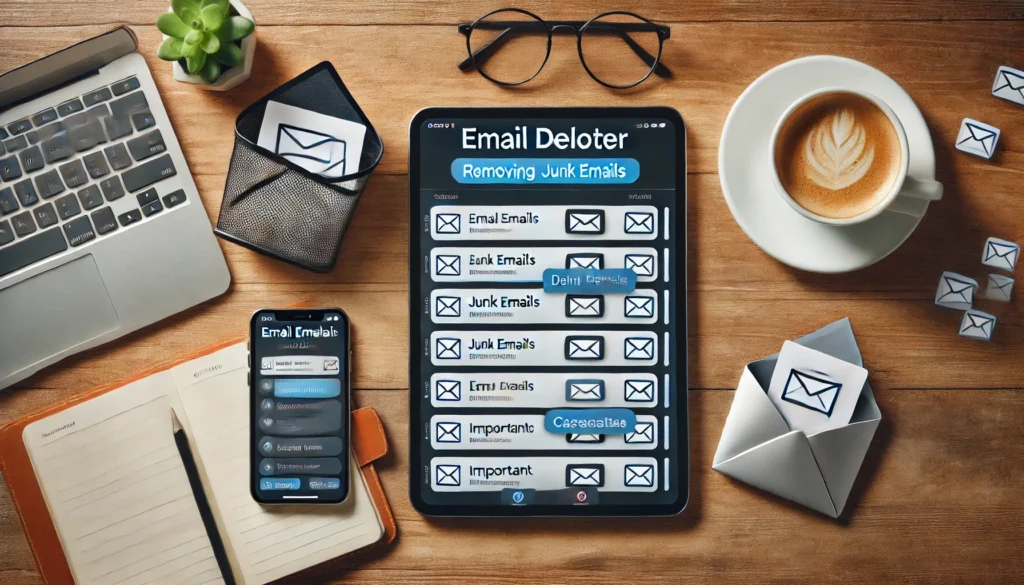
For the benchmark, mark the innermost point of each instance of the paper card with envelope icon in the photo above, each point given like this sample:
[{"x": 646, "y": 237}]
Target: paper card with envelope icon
[
  {"x": 955, "y": 291},
  {"x": 1000, "y": 254},
  {"x": 638, "y": 222},
  {"x": 977, "y": 325},
  {"x": 448, "y": 223},
  {"x": 448, "y": 475},
  {"x": 643, "y": 433},
  {"x": 638, "y": 476},
  {"x": 815, "y": 470},
  {"x": 584, "y": 347},
  {"x": 448, "y": 432},
  {"x": 977, "y": 138},
  {"x": 448, "y": 390},
  {"x": 1009, "y": 85},
  {"x": 448, "y": 348},
  {"x": 447, "y": 265},
  {"x": 999, "y": 288},
  {"x": 577, "y": 438},
  {"x": 586, "y": 475},
  {"x": 638, "y": 348},
  {"x": 641, "y": 264},
  {"x": 448, "y": 306},
  {"x": 639, "y": 306},
  {"x": 584, "y": 389},
  {"x": 591, "y": 306},
  {"x": 325, "y": 145},
  {"x": 589, "y": 222},
  {"x": 639, "y": 390},
  {"x": 814, "y": 391},
  {"x": 585, "y": 260}
]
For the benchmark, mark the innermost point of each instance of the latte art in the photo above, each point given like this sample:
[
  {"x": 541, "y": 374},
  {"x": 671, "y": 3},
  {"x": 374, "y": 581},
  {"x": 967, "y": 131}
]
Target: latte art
[{"x": 837, "y": 151}]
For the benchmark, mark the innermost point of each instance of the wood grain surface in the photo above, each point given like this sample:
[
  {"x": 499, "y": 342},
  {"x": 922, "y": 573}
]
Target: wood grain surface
[{"x": 940, "y": 498}]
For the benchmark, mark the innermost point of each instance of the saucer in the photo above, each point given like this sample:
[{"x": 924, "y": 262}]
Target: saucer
[{"x": 744, "y": 168}]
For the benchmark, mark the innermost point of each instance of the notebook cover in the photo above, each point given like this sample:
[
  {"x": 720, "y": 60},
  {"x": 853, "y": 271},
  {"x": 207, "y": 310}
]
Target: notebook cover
[{"x": 368, "y": 441}]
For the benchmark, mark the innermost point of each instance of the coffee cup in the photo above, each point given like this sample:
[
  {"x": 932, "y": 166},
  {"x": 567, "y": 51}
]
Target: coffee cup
[{"x": 839, "y": 156}]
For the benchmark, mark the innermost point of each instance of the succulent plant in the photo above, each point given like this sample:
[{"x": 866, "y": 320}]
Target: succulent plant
[{"x": 204, "y": 34}]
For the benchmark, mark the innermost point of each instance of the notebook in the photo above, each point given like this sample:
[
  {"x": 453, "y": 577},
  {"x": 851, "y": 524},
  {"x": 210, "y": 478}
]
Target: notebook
[{"x": 108, "y": 499}]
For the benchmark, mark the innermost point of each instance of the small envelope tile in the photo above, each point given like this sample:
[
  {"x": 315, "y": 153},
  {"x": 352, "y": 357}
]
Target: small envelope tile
[
  {"x": 1000, "y": 254},
  {"x": 955, "y": 291},
  {"x": 977, "y": 325},
  {"x": 999, "y": 288},
  {"x": 977, "y": 138},
  {"x": 1009, "y": 85}
]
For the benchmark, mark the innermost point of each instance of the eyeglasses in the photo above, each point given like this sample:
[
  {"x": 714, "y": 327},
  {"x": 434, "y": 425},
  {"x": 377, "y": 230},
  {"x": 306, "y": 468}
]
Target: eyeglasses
[{"x": 510, "y": 46}]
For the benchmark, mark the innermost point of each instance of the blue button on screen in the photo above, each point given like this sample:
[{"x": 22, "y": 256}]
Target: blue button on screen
[
  {"x": 324, "y": 483},
  {"x": 271, "y": 484},
  {"x": 307, "y": 388}
]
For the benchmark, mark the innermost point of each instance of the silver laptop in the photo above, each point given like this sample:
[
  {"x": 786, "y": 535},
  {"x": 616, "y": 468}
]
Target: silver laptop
[{"x": 101, "y": 227}]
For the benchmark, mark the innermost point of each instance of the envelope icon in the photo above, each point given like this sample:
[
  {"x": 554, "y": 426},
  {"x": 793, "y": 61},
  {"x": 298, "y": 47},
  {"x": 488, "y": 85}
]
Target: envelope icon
[
  {"x": 977, "y": 325},
  {"x": 643, "y": 433},
  {"x": 448, "y": 432},
  {"x": 330, "y": 364},
  {"x": 977, "y": 138},
  {"x": 1000, "y": 254},
  {"x": 639, "y": 307},
  {"x": 591, "y": 474},
  {"x": 445, "y": 265},
  {"x": 448, "y": 348},
  {"x": 810, "y": 391},
  {"x": 1009, "y": 85},
  {"x": 314, "y": 151},
  {"x": 584, "y": 221},
  {"x": 449, "y": 390},
  {"x": 999, "y": 288},
  {"x": 584, "y": 306},
  {"x": 449, "y": 475},
  {"x": 448, "y": 306},
  {"x": 955, "y": 291},
  {"x": 639, "y": 348},
  {"x": 639, "y": 391},
  {"x": 574, "y": 438},
  {"x": 584, "y": 390},
  {"x": 448, "y": 223},
  {"x": 641, "y": 264},
  {"x": 584, "y": 347},
  {"x": 588, "y": 261},
  {"x": 638, "y": 476},
  {"x": 639, "y": 222}
]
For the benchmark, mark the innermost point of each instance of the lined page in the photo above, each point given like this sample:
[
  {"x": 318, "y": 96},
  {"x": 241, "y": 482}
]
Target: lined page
[
  {"x": 117, "y": 490},
  {"x": 268, "y": 542}
]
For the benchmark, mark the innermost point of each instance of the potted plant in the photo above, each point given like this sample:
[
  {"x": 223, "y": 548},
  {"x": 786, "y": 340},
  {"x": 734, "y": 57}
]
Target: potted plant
[{"x": 210, "y": 42}]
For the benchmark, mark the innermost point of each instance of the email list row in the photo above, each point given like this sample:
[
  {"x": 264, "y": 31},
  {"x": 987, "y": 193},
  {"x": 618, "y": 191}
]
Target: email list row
[
  {"x": 527, "y": 264},
  {"x": 546, "y": 348},
  {"x": 611, "y": 474},
  {"x": 546, "y": 222},
  {"x": 497, "y": 305},
  {"x": 548, "y": 390},
  {"x": 528, "y": 432}
]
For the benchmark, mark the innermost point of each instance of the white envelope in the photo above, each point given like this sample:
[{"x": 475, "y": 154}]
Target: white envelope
[
  {"x": 1009, "y": 85},
  {"x": 641, "y": 264},
  {"x": 639, "y": 307},
  {"x": 811, "y": 391},
  {"x": 584, "y": 221},
  {"x": 643, "y": 433},
  {"x": 450, "y": 475},
  {"x": 955, "y": 291},
  {"x": 977, "y": 325},
  {"x": 999, "y": 288},
  {"x": 586, "y": 261},
  {"x": 1000, "y": 254},
  {"x": 584, "y": 306},
  {"x": 448, "y": 348},
  {"x": 639, "y": 391},
  {"x": 309, "y": 148},
  {"x": 448, "y": 432},
  {"x": 330, "y": 364},
  {"x": 639, "y": 223},
  {"x": 576, "y": 438},
  {"x": 448, "y": 306},
  {"x": 584, "y": 348},
  {"x": 977, "y": 138},
  {"x": 585, "y": 390},
  {"x": 758, "y": 448},
  {"x": 638, "y": 476},
  {"x": 320, "y": 144},
  {"x": 445, "y": 265},
  {"x": 639, "y": 348},
  {"x": 584, "y": 475},
  {"x": 449, "y": 390},
  {"x": 448, "y": 223}
]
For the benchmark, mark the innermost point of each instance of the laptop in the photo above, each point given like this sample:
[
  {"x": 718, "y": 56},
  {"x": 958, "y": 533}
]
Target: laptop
[{"x": 101, "y": 227}]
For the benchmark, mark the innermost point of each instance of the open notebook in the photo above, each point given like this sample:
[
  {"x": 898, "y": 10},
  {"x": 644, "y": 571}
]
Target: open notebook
[{"x": 119, "y": 499}]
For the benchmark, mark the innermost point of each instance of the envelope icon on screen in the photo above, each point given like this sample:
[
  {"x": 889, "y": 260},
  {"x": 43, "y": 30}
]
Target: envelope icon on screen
[
  {"x": 639, "y": 391},
  {"x": 449, "y": 475},
  {"x": 1009, "y": 85},
  {"x": 643, "y": 433},
  {"x": 330, "y": 364},
  {"x": 448, "y": 432},
  {"x": 584, "y": 221},
  {"x": 589, "y": 261},
  {"x": 448, "y": 306},
  {"x": 1000, "y": 254},
  {"x": 638, "y": 476},
  {"x": 639, "y": 348},
  {"x": 591, "y": 474},
  {"x": 584, "y": 347},
  {"x": 584, "y": 305},
  {"x": 977, "y": 138},
  {"x": 639, "y": 222},
  {"x": 639, "y": 307},
  {"x": 448, "y": 348},
  {"x": 584, "y": 390},
  {"x": 312, "y": 150},
  {"x": 574, "y": 438},
  {"x": 811, "y": 391},
  {"x": 445, "y": 265},
  {"x": 449, "y": 390},
  {"x": 448, "y": 223},
  {"x": 641, "y": 264}
]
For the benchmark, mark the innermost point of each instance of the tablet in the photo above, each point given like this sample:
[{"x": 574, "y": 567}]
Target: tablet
[{"x": 548, "y": 358}]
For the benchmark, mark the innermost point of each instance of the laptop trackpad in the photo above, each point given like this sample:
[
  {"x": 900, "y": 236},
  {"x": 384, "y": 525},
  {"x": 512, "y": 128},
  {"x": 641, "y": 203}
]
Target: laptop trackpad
[{"x": 52, "y": 312}]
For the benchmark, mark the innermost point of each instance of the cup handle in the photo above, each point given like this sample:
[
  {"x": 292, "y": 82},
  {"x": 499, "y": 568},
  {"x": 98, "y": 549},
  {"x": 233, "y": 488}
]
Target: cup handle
[{"x": 913, "y": 192}]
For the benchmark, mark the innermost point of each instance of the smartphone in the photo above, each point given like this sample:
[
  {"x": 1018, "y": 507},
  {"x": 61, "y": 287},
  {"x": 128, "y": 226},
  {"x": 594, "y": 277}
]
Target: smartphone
[{"x": 299, "y": 406}]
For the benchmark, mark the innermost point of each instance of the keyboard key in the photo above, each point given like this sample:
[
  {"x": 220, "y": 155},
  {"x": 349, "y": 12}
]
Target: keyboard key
[
  {"x": 146, "y": 145},
  {"x": 95, "y": 164},
  {"x": 23, "y": 224},
  {"x": 3, "y": 149},
  {"x": 112, "y": 188},
  {"x": 146, "y": 197},
  {"x": 56, "y": 148},
  {"x": 70, "y": 107},
  {"x": 19, "y": 127},
  {"x": 132, "y": 103},
  {"x": 147, "y": 173},
  {"x": 74, "y": 174},
  {"x": 143, "y": 120},
  {"x": 31, "y": 159},
  {"x": 117, "y": 126},
  {"x": 79, "y": 231},
  {"x": 45, "y": 215},
  {"x": 48, "y": 184},
  {"x": 8, "y": 202},
  {"x": 104, "y": 220},
  {"x": 129, "y": 217},
  {"x": 118, "y": 156},
  {"x": 44, "y": 132},
  {"x": 15, "y": 144},
  {"x": 31, "y": 250},
  {"x": 44, "y": 117},
  {"x": 86, "y": 136},
  {"x": 9, "y": 168},
  {"x": 123, "y": 87},
  {"x": 6, "y": 234},
  {"x": 152, "y": 208},
  {"x": 98, "y": 113},
  {"x": 3, "y": 133},
  {"x": 67, "y": 206},
  {"x": 175, "y": 198},
  {"x": 90, "y": 197},
  {"x": 96, "y": 96},
  {"x": 26, "y": 193}
]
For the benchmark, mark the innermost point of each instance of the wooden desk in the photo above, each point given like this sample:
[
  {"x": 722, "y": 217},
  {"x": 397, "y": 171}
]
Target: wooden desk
[{"x": 941, "y": 496}]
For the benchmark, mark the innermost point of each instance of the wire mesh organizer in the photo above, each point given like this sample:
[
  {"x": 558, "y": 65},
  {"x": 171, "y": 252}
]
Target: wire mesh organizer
[{"x": 277, "y": 208}]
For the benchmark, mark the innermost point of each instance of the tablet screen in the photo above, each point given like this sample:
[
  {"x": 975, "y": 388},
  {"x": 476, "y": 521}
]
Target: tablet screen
[{"x": 548, "y": 313}]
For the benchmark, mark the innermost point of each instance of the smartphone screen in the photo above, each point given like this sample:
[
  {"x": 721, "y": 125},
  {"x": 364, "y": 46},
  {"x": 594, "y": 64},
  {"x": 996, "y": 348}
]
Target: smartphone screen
[{"x": 299, "y": 404}]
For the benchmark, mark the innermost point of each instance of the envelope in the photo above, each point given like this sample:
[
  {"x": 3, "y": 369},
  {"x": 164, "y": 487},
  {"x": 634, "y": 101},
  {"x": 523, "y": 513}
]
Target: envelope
[
  {"x": 639, "y": 391},
  {"x": 445, "y": 265},
  {"x": 977, "y": 325},
  {"x": 302, "y": 146},
  {"x": 584, "y": 389},
  {"x": 811, "y": 391},
  {"x": 448, "y": 348},
  {"x": 955, "y": 291},
  {"x": 575, "y": 438},
  {"x": 641, "y": 264},
  {"x": 591, "y": 474},
  {"x": 448, "y": 306},
  {"x": 589, "y": 260},
  {"x": 639, "y": 223},
  {"x": 448, "y": 223},
  {"x": 584, "y": 221},
  {"x": 639, "y": 307},
  {"x": 999, "y": 288},
  {"x": 1009, "y": 85},
  {"x": 639, "y": 348},
  {"x": 450, "y": 475},
  {"x": 448, "y": 432},
  {"x": 584, "y": 347},
  {"x": 977, "y": 138},
  {"x": 449, "y": 390},
  {"x": 638, "y": 476},
  {"x": 1000, "y": 254},
  {"x": 331, "y": 364},
  {"x": 584, "y": 306},
  {"x": 816, "y": 471},
  {"x": 643, "y": 433}
]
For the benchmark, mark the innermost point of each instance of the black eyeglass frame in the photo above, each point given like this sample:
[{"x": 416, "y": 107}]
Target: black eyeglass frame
[{"x": 579, "y": 27}]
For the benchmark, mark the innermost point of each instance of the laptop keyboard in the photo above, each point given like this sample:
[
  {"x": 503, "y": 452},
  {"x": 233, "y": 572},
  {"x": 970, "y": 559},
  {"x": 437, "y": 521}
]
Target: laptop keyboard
[{"x": 61, "y": 167}]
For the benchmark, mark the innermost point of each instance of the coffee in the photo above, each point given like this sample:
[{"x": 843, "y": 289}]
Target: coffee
[{"x": 838, "y": 155}]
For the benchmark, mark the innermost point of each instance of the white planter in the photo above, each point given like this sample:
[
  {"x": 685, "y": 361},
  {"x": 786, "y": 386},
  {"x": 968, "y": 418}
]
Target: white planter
[{"x": 230, "y": 77}]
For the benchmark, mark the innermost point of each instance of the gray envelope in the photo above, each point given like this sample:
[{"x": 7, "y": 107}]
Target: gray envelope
[{"x": 758, "y": 448}]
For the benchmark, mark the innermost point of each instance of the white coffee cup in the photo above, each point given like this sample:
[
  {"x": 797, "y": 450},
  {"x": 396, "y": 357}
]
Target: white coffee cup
[{"x": 904, "y": 190}]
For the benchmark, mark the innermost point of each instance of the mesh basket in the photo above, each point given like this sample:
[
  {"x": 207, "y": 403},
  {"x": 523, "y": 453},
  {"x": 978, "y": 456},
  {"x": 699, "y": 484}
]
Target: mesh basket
[{"x": 279, "y": 209}]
